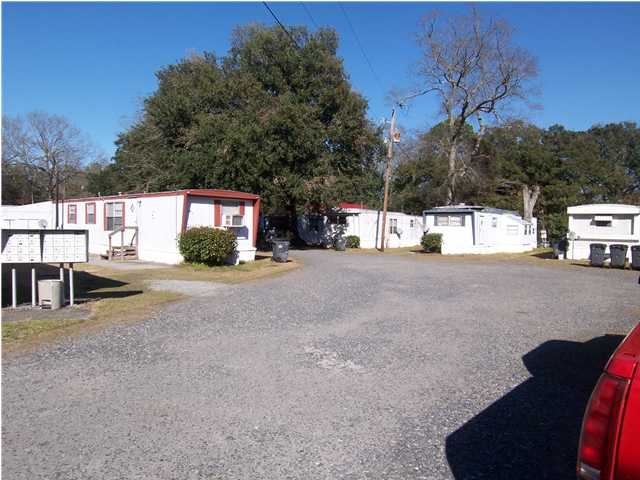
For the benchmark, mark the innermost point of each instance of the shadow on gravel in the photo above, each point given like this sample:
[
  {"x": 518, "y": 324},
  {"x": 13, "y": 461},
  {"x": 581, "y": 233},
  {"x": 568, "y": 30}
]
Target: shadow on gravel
[{"x": 533, "y": 431}]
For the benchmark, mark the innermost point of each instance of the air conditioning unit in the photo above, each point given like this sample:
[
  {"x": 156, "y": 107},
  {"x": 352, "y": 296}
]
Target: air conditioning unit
[{"x": 233, "y": 221}]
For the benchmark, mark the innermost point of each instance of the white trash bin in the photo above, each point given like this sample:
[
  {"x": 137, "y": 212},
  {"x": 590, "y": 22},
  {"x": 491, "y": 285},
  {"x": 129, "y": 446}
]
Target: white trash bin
[{"x": 51, "y": 293}]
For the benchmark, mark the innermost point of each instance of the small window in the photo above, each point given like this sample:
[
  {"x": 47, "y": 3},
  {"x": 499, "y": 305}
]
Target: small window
[
  {"x": 90, "y": 213},
  {"x": 603, "y": 223},
  {"x": 72, "y": 214},
  {"x": 442, "y": 220},
  {"x": 113, "y": 215},
  {"x": 393, "y": 225},
  {"x": 456, "y": 220},
  {"x": 449, "y": 220},
  {"x": 512, "y": 229}
]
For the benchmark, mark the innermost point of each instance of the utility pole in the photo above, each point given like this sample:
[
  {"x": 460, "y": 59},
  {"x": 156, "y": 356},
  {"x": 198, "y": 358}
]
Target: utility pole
[
  {"x": 387, "y": 177},
  {"x": 393, "y": 137}
]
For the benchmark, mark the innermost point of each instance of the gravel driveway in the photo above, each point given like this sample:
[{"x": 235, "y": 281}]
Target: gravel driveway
[{"x": 355, "y": 366}]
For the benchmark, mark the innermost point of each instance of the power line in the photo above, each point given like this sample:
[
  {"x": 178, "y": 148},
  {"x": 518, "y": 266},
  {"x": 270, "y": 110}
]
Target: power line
[
  {"x": 364, "y": 54},
  {"x": 281, "y": 25},
  {"x": 309, "y": 14}
]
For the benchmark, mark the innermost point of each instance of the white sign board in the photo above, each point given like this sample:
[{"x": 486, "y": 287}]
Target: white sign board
[{"x": 45, "y": 246}]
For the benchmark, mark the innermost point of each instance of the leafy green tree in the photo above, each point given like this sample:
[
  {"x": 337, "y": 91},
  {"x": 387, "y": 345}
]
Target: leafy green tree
[
  {"x": 271, "y": 117},
  {"x": 524, "y": 163},
  {"x": 420, "y": 179}
]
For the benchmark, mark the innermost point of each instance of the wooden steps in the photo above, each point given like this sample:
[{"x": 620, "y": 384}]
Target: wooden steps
[{"x": 128, "y": 252}]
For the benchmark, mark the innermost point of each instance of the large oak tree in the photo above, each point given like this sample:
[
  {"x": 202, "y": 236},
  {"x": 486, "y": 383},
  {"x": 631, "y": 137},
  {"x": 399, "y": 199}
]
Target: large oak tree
[{"x": 272, "y": 117}]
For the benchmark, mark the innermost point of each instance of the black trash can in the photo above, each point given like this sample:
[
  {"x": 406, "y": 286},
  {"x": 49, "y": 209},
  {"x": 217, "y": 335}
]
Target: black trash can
[
  {"x": 635, "y": 257},
  {"x": 340, "y": 244},
  {"x": 597, "y": 255},
  {"x": 280, "y": 251},
  {"x": 618, "y": 255}
]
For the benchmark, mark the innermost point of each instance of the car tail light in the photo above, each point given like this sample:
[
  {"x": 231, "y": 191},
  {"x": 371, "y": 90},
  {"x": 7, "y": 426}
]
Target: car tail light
[{"x": 600, "y": 427}]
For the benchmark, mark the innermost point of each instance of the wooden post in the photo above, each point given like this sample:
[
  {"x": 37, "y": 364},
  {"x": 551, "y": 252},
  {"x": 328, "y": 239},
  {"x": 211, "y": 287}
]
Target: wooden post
[
  {"x": 122, "y": 243},
  {"x": 387, "y": 177},
  {"x": 71, "y": 284},
  {"x": 33, "y": 287},
  {"x": 109, "y": 251},
  {"x": 14, "y": 289}
]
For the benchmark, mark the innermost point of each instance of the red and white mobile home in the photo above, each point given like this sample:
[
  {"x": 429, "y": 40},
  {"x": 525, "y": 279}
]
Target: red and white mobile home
[{"x": 151, "y": 222}]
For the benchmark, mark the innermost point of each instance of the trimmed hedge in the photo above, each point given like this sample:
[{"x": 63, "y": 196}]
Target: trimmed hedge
[
  {"x": 210, "y": 246},
  {"x": 353, "y": 241},
  {"x": 432, "y": 242}
]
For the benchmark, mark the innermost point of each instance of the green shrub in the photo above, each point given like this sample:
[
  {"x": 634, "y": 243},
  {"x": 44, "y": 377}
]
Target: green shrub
[
  {"x": 353, "y": 241},
  {"x": 432, "y": 242},
  {"x": 210, "y": 246}
]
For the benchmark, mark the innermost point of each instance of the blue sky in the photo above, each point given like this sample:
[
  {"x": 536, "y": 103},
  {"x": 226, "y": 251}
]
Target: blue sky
[{"x": 95, "y": 62}]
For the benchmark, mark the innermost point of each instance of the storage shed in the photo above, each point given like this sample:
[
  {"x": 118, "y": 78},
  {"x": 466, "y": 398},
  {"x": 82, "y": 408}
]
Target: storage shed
[
  {"x": 147, "y": 224},
  {"x": 602, "y": 223},
  {"x": 403, "y": 230},
  {"x": 481, "y": 230}
]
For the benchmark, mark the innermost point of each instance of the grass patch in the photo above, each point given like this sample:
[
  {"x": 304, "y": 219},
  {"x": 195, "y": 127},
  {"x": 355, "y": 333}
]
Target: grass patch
[
  {"x": 118, "y": 296},
  {"x": 16, "y": 331}
]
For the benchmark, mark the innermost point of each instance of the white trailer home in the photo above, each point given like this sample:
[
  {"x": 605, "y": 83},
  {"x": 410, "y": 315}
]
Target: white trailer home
[
  {"x": 355, "y": 219},
  {"x": 481, "y": 230},
  {"x": 147, "y": 225},
  {"x": 602, "y": 223}
]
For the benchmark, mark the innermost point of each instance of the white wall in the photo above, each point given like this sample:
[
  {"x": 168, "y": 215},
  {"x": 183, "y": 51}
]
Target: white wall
[
  {"x": 367, "y": 225},
  {"x": 158, "y": 218},
  {"x": 624, "y": 229},
  {"x": 159, "y": 222},
  {"x": 485, "y": 233},
  {"x": 455, "y": 238},
  {"x": 201, "y": 213},
  {"x": 28, "y": 216}
]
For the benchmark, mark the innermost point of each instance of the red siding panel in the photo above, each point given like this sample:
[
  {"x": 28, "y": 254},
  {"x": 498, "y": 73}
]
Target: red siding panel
[{"x": 217, "y": 213}]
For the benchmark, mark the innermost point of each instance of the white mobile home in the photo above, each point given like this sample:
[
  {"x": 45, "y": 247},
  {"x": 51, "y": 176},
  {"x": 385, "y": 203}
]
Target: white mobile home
[
  {"x": 355, "y": 219},
  {"x": 481, "y": 230},
  {"x": 150, "y": 223},
  {"x": 602, "y": 223}
]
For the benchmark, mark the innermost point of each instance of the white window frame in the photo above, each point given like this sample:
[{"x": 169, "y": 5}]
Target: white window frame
[
  {"x": 393, "y": 225},
  {"x": 446, "y": 220},
  {"x": 110, "y": 216},
  {"x": 88, "y": 214}
]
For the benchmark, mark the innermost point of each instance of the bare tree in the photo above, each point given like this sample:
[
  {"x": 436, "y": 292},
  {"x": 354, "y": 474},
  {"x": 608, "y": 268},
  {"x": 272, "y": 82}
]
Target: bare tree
[
  {"x": 476, "y": 71},
  {"x": 47, "y": 146}
]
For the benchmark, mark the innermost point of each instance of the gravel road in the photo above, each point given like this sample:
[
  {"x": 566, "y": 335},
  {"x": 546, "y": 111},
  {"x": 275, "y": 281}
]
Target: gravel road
[{"x": 355, "y": 366}]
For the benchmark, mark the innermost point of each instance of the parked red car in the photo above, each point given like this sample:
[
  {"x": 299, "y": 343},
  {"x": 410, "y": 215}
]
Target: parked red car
[{"x": 610, "y": 439}]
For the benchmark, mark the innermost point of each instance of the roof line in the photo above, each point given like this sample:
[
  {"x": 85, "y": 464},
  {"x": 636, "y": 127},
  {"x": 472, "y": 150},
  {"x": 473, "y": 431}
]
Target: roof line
[{"x": 197, "y": 192}]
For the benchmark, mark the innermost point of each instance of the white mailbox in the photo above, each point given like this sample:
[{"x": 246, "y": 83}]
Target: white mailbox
[{"x": 45, "y": 246}]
